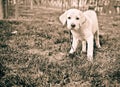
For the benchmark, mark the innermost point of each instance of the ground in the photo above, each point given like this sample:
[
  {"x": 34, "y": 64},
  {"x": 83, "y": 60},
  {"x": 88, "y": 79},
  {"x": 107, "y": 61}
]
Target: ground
[{"x": 34, "y": 54}]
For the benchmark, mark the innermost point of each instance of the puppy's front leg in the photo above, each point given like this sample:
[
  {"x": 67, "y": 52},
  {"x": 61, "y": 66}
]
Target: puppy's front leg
[
  {"x": 83, "y": 47},
  {"x": 90, "y": 48},
  {"x": 74, "y": 45}
]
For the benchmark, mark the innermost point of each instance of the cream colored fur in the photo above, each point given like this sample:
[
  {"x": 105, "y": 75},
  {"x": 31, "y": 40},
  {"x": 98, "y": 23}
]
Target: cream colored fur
[{"x": 84, "y": 27}]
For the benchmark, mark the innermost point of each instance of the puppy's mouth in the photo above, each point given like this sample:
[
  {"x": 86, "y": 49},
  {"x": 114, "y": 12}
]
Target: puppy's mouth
[
  {"x": 75, "y": 28},
  {"x": 72, "y": 28}
]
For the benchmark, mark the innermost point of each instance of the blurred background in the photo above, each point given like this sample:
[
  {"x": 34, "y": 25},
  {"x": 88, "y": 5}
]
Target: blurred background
[{"x": 21, "y": 9}]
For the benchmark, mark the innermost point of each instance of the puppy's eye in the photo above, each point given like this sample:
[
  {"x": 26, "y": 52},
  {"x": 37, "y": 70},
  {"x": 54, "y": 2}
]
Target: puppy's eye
[
  {"x": 69, "y": 17},
  {"x": 77, "y": 18}
]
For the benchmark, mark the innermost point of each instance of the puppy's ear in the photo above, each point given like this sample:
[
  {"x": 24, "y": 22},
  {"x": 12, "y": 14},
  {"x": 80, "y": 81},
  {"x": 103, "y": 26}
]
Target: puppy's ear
[{"x": 63, "y": 18}]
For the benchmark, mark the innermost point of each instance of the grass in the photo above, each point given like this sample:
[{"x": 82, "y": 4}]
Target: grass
[{"x": 36, "y": 56}]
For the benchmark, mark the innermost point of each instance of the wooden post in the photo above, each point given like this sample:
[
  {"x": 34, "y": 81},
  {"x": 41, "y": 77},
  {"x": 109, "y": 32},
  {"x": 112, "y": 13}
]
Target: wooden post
[
  {"x": 78, "y": 4},
  {"x": 5, "y": 7},
  {"x": 46, "y": 3},
  {"x": 1, "y": 9},
  {"x": 31, "y": 4},
  {"x": 69, "y": 3},
  {"x": 62, "y": 4},
  {"x": 16, "y": 9},
  {"x": 111, "y": 7}
]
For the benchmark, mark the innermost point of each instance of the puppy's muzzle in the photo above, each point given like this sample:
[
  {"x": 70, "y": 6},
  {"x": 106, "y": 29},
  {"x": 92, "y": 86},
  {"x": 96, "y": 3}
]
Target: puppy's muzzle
[{"x": 73, "y": 25}]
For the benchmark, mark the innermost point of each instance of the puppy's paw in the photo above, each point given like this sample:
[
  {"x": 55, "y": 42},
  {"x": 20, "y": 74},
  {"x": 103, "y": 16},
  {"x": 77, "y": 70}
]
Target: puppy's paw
[
  {"x": 71, "y": 51},
  {"x": 90, "y": 59},
  {"x": 83, "y": 52},
  {"x": 98, "y": 46},
  {"x": 71, "y": 55}
]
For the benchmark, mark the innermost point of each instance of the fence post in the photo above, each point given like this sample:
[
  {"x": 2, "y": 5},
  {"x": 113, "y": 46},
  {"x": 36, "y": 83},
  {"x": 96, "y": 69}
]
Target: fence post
[
  {"x": 69, "y": 3},
  {"x": 78, "y": 4},
  {"x": 5, "y": 8},
  {"x": 16, "y": 9},
  {"x": 62, "y": 4},
  {"x": 31, "y": 4},
  {"x": 46, "y": 3},
  {"x": 1, "y": 9}
]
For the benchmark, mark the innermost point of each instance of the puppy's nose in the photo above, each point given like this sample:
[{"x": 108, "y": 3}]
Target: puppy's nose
[{"x": 72, "y": 25}]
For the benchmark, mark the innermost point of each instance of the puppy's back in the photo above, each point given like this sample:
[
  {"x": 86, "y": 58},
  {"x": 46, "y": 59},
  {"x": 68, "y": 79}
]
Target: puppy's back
[{"x": 92, "y": 16}]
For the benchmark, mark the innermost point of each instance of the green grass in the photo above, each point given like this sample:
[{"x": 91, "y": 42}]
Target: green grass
[{"x": 36, "y": 56}]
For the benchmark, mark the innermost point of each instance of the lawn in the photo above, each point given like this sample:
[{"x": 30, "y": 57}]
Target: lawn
[{"x": 34, "y": 54}]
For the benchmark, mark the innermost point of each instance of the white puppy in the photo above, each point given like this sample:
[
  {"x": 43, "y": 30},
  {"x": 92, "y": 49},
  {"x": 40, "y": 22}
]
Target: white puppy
[{"x": 84, "y": 27}]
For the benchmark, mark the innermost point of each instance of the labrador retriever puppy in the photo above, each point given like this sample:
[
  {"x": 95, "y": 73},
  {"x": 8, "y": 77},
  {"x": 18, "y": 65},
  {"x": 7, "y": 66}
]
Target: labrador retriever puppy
[{"x": 84, "y": 27}]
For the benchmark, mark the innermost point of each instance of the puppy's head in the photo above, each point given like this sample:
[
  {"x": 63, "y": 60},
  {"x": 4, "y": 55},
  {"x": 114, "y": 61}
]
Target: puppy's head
[{"x": 73, "y": 18}]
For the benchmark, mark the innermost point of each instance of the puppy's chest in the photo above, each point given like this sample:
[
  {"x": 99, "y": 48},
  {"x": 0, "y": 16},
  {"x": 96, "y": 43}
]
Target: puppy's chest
[{"x": 81, "y": 35}]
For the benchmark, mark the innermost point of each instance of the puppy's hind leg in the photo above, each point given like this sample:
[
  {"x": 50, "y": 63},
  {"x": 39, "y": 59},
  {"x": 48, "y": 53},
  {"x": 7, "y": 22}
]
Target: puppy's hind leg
[
  {"x": 90, "y": 48},
  {"x": 97, "y": 40}
]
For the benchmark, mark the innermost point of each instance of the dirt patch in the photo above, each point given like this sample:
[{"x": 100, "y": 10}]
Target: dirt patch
[{"x": 56, "y": 57}]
